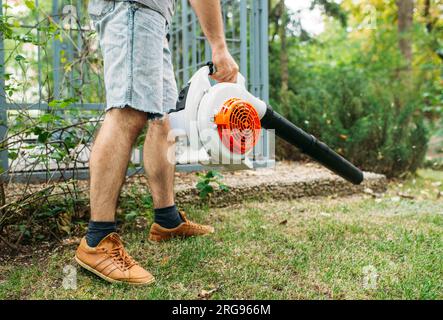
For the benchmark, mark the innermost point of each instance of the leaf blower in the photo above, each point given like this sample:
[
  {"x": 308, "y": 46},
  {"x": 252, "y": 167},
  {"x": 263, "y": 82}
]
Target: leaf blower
[{"x": 222, "y": 124}]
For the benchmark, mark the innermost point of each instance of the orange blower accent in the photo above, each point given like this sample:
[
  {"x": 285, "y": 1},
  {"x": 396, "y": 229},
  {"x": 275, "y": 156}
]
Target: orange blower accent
[{"x": 238, "y": 125}]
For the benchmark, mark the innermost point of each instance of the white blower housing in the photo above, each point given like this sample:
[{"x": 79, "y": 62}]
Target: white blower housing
[{"x": 218, "y": 124}]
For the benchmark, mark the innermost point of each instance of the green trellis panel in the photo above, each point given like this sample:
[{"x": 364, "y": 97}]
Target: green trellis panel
[{"x": 246, "y": 28}]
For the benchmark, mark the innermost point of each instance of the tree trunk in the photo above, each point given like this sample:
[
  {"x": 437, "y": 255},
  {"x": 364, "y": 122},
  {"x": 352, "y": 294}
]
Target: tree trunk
[
  {"x": 405, "y": 20},
  {"x": 426, "y": 15},
  {"x": 284, "y": 60},
  {"x": 405, "y": 10}
]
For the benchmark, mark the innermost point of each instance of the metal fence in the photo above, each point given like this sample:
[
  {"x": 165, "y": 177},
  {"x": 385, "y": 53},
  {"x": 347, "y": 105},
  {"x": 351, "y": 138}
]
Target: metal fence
[{"x": 246, "y": 29}]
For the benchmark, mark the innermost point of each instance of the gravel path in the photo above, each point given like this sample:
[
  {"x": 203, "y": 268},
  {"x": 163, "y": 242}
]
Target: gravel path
[{"x": 288, "y": 180}]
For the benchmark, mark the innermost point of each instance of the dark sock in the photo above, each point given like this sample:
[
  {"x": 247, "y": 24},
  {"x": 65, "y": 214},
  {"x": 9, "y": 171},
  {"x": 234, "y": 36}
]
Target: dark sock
[
  {"x": 97, "y": 230},
  {"x": 167, "y": 217}
]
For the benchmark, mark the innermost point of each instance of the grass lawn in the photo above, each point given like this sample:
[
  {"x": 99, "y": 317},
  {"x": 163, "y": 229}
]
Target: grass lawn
[{"x": 360, "y": 247}]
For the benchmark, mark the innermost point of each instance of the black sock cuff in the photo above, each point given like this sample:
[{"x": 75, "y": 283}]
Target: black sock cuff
[
  {"x": 165, "y": 209},
  {"x": 97, "y": 230},
  {"x": 167, "y": 217},
  {"x": 101, "y": 224}
]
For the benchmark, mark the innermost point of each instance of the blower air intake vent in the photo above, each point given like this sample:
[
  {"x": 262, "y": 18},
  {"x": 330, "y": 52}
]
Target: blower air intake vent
[{"x": 238, "y": 125}]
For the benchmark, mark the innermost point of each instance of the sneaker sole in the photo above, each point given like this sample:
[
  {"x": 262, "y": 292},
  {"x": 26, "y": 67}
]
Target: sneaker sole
[
  {"x": 153, "y": 240},
  {"x": 101, "y": 275}
]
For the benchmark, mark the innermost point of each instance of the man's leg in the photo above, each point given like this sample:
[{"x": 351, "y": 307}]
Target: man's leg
[
  {"x": 159, "y": 161},
  {"x": 132, "y": 74},
  {"x": 102, "y": 251},
  {"x": 160, "y": 168},
  {"x": 109, "y": 159}
]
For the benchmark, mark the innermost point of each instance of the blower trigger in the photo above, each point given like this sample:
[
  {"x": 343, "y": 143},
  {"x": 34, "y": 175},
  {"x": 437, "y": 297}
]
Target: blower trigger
[{"x": 181, "y": 101}]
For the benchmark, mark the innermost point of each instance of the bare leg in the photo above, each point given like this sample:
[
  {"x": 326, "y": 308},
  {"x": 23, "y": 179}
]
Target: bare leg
[
  {"x": 158, "y": 165},
  {"x": 109, "y": 159},
  {"x": 108, "y": 163},
  {"x": 159, "y": 160}
]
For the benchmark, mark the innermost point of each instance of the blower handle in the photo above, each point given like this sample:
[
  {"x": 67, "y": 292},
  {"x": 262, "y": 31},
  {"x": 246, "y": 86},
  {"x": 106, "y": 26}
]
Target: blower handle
[
  {"x": 309, "y": 145},
  {"x": 212, "y": 68}
]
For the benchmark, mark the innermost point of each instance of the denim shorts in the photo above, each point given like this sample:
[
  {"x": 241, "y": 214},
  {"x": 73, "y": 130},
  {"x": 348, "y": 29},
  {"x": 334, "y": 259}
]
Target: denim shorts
[{"x": 138, "y": 71}]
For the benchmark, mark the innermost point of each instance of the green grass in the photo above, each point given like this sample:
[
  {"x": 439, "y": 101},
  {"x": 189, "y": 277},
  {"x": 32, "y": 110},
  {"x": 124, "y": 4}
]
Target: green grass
[{"x": 305, "y": 249}]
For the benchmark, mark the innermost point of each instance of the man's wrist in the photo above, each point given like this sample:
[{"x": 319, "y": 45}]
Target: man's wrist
[{"x": 219, "y": 45}]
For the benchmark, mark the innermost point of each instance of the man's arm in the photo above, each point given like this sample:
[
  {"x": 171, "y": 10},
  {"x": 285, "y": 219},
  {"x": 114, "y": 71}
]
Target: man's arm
[{"x": 210, "y": 18}]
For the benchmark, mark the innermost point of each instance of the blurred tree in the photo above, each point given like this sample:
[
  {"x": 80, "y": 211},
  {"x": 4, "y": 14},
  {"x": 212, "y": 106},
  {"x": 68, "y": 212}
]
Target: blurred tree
[
  {"x": 281, "y": 21},
  {"x": 332, "y": 9},
  {"x": 405, "y": 20},
  {"x": 364, "y": 84}
]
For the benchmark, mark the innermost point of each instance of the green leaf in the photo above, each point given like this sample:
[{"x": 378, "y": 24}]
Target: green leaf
[
  {"x": 203, "y": 194},
  {"x": 201, "y": 185},
  {"x": 19, "y": 58},
  {"x": 61, "y": 104},
  {"x": 12, "y": 155},
  {"x": 131, "y": 216},
  {"x": 43, "y": 137},
  {"x": 47, "y": 118},
  {"x": 58, "y": 155},
  {"x": 147, "y": 201},
  {"x": 212, "y": 174},
  {"x": 30, "y": 4}
]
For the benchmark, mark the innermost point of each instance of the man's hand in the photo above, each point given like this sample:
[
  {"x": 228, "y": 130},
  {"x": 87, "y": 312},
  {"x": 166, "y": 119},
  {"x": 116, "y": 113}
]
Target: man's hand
[
  {"x": 210, "y": 17},
  {"x": 225, "y": 66}
]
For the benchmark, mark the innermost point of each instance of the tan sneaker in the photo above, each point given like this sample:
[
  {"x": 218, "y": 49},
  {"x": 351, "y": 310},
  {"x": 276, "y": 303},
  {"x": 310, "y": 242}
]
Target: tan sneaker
[
  {"x": 110, "y": 261},
  {"x": 185, "y": 229}
]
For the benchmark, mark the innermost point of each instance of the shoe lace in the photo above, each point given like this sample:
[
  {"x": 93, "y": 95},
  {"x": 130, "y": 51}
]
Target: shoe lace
[
  {"x": 190, "y": 223},
  {"x": 120, "y": 256},
  {"x": 195, "y": 225}
]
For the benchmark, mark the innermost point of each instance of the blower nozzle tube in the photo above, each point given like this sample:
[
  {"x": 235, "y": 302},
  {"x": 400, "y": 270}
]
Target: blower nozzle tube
[{"x": 309, "y": 145}]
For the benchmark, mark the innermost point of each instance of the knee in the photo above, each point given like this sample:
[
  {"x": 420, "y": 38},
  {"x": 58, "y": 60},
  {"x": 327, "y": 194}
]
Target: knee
[
  {"x": 159, "y": 127},
  {"x": 128, "y": 120}
]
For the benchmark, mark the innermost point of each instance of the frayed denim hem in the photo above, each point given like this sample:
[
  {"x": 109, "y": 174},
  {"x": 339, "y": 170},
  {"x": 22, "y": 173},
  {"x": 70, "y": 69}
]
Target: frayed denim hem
[{"x": 150, "y": 115}]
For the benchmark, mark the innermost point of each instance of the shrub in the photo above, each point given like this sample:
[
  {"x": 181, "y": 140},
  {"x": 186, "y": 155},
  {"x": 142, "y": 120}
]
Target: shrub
[
  {"x": 359, "y": 119},
  {"x": 352, "y": 99}
]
